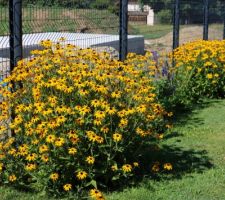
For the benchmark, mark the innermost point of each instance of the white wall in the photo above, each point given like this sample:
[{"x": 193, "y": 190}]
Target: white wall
[
  {"x": 134, "y": 7},
  {"x": 146, "y": 8}
]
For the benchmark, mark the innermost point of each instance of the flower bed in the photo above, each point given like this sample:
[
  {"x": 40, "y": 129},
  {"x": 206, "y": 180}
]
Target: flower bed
[
  {"x": 81, "y": 119},
  {"x": 199, "y": 70}
]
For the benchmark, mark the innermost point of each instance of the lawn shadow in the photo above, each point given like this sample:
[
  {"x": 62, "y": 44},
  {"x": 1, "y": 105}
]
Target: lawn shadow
[
  {"x": 185, "y": 114},
  {"x": 184, "y": 162}
]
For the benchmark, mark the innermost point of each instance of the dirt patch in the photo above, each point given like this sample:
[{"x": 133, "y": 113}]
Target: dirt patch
[{"x": 187, "y": 34}]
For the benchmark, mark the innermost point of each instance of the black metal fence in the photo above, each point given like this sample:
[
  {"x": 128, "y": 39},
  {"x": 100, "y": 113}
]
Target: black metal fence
[
  {"x": 168, "y": 24},
  {"x": 85, "y": 23},
  {"x": 106, "y": 24}
]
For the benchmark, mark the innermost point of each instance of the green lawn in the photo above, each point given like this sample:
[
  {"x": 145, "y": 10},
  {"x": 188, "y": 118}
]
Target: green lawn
[
  {"x": 160, "y": 30},
  {"x": 196, "y": 148},
  {"x": 150, "y": 32}
]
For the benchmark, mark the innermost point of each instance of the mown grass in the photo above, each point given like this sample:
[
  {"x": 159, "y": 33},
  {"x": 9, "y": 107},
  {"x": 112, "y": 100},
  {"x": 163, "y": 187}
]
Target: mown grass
[
  {"x": 195, "y": 148},
  {"x": 150, "y": 32},
  {"x": 197, "y": 151}
]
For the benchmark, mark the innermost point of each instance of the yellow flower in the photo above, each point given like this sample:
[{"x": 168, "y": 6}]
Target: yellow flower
[
  {"x": 45, "y": 158},
  {"x": 2, "y": 129},
  {"x": 96, "y": 194},
  {"x": 43, "y": 148},
  {"x": 105, "y": 130},
  {"x": 97, "y": 122},
  {"x": 111, "y": 110},
  {"x": 46, "y": 43},
  {"x": 1, "y": 166},
  {"x": 30, "y": 167},
  {"x": 54, "y": 176},
  {"x": 99, "y": 139},
  {"x": 216, "y": 75},
  {"x": 35, "y": 142},
  {"x": 114, "y": 168},
  {"x": 99, "y": 114},
  {"x": 136, "y": 164},
  {"x": 123, "y": 123},
  {"x": 90, "y": 160},
  {"x": 72, "y": 151},
  {"x": 117, "y": 137},
  {"x": 209, "y": 76},
  {"x": 81, "y": 175},
  {"x": 168, "y": 166},
  {"x": 93, "y": 137},
  {"x": 141, "y": 109},
  {"x": 170, "y": 114},
  {"x": 127, "y": 168},
  {"x": 59, "y": 142},
  {"x": 67, "y": 187},
  {"x": 60, "y": 119},
  {"x": 79, "y": 121},
  {"x": 160, "y": 136},
  {"x": 95, "y": 103},
  {"x": 169, "y": 126},
  {"x": 12, "y": 178},
  {"x": 31, "y": 157},
  {"x": 62, "y": 39},
  {"x": 23, "y": 150},
  {"x": 155, "y": 167},
  {"x": 116, "y": 94},
  {"x": 2, "y": 156},
  {"x": 50, "y": 138}
]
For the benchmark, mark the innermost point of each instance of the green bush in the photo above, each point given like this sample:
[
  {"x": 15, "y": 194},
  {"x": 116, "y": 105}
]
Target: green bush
[
  {"x": 164, "y": 17},
  {"x": 81, "y": 120},
  {"x": 199, "y": 71}
]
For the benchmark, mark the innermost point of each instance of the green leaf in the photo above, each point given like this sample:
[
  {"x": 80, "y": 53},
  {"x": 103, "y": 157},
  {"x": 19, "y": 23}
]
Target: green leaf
[{"x": 93, "y": 183}]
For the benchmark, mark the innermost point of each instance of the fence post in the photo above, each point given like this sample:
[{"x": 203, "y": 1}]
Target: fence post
[
  {"x": 206, "y": 20},
  {"x": 15, "y": 26},
  {"x": 176, "y": 23},
  {"x": 123, "y": 29},
  {"x": 15, "y": 40}
]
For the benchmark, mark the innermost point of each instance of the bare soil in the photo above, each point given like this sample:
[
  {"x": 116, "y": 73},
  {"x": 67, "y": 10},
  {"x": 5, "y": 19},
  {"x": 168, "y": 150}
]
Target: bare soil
[{"x": 187, "y": 34}]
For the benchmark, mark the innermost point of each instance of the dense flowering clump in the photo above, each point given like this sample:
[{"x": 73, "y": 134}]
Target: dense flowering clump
[
  {"x": 79, "y": 117},
  {"x": 200, "y": 69}
]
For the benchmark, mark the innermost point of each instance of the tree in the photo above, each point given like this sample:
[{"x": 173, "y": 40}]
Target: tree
[{"x": 191, "y": 11}]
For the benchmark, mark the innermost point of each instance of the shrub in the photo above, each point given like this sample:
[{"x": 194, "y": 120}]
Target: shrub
[
  {"x": 199, "y": 70},
  {"x": 81, "y": 119},
  {"x": 164, "y": 17}
]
